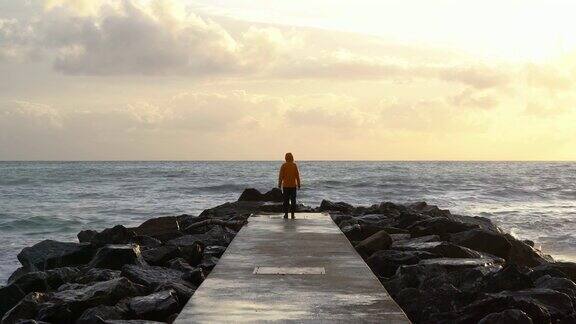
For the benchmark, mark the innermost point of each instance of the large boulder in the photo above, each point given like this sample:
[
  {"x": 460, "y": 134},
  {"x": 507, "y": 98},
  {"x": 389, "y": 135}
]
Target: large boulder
[
  {"x": 564, "y": 269},
  {"x": 95, "y": 274},
  {"x": 9, "y": 297},
  {"x": 115, "y": 235},
  {"x": 478, "y": 310},
  {"x": 251, "y": 194},
  {"x": 509, "y": 316},
  {"x": 562, "y": 285},
  {"x": 98, "y": 314},
  {"x": 523, "y": 254},
  {"x": 557, "y": 304},
  {"x": 161, "y": 228},
  {"x": 509, "y": 278},
  {"x": 161, "y": 255},
  {"x": 50, "y": 254},
  {"x": 430, "y": 210},
  {"x": 157, "y": 306},
  {"x": 376, "y": 242},
  {"x": 439, "y": 226},
  {"x": 115, "y": 256},
  {"x": 442, "y": 249},
  {"x": 327, "y": 205},
  {"x": 385, "y": 263},
  {"x": 483, "y": 241},
  {"x": 183, "y": 292},
  {"x": 85, "y": 236},
  {"x": 152, "y": 276},
  {"x": 25, "y": 309},
  {"x": 41, "y": 281},
  {"x": 66, "y": 306}
]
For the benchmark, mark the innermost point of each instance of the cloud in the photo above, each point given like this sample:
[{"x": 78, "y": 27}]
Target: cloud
[{"x": 472, "y": 98}]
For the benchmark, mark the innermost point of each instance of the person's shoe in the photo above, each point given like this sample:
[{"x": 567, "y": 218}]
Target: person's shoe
[{"x": 286, "y": 216}]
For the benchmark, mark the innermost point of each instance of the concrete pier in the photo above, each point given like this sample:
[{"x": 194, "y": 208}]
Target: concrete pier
[{"x": 285, "y": 270}]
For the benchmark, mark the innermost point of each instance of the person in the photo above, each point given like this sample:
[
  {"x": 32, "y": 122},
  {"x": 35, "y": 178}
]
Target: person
[{"x": 288, "y": 181}]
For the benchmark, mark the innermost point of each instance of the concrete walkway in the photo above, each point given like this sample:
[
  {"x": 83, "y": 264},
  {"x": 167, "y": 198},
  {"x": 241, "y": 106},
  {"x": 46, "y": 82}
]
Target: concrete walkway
[{"x": 324, "y": 279}]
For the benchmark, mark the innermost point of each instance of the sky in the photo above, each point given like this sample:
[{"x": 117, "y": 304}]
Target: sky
[{"x": 253, "y": 79}]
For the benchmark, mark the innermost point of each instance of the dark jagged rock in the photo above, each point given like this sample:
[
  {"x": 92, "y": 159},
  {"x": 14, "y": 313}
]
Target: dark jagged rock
[
  {"x": 161, "y": 228},
  {"x": 94, "y": 275},
  {"x": 66, "y": 306},
  {"x": 557, "y": 304},
  {"x": 157, "y": 306},
  {"x": 98, "y": 314},
  {"x": 523, "y": 254},
  {"x": 183, "y": 292},
  {"x": 208, "y": 263},
  {"x": 483, "y": 241},
  {"x": 327, "y": 205},
  {"x": 509, "y": 316},
  {"x": 563, "y": 285},
  {"x": 478, "y": 310},
  {"x": 132, "y": 322},
  {"x": 115, "y": 235},
  {"x": 71, "y": 286},
  {"x": 27, "y": 308},
  {"x": 508, "y": 278},
  {"x": 152, "y": 276},
  {"x": 86, "y": 236},
  {"x": 180, "y": 264},
  {"x": 116, "y": 256},
  {"x": 376, "y": 242},
  {"x": 18, "y": 273},
  {"x": 41, "y": 281},
  {"x": 195, "y": 276},
  {"x": 50, "y": 254},
  {"x": 385, "y": 263},
  {"x": 568, "y": 269},
  {"x": 10, "y": 296},
  {"x": 218, "y": 235},
  {"x": 146, "y": 242},
  {"x": 439, "y": 226},
  {"x": 444, "y": 249},
  {"x": 215, "y": 250},
  {"x": 415, "y": 242},
  {"x": 430, "y": 210},
  {"x": 251, "y": 194},
  {"x": 161, "y": 255}
]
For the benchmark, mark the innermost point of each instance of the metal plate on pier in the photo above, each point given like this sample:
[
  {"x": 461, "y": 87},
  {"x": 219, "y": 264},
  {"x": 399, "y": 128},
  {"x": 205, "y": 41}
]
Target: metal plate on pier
[{"x": 289, "y": 270}]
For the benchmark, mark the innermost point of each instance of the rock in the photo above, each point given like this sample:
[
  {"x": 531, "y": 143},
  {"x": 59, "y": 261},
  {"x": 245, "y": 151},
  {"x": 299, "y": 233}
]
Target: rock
[
  {"x": 184, "y": 293},
  {"x": 523, "y": 254},
  {"x": 430, "y": 210},
  {"x": 478, "y": 310},
  {"x": 439, "y": 226},
  {"x": 508, "y": 278},
  {"x": 251, "y": 194},
  {"x": 9, "y": 297},
  {"x": 353, "y": 232},
  {"x": 26, "y": 308},
  {"x": 152, "y": 276},
  {"x": 115, "y": 235},
  {"x": 327, "y": 205},
  {"x": 66, "y": 306},
  {"x": 483, "y": 241},
  {"x": 218, "y": 235},
  {"x": 414, "y": 242},
  {"x": 157, "y": 306},
  {"x": 161, "y": 255},
  {"x": 98, "y": 314},
  {"x": 445, "y": 250},
  {"x": 161, "y": 228},
  {"x": 18, "y": 273},
  {"x": 562, "y": 285},
  {"x": 31, "y": 321},
  {"x": 376, "y": 242},
  {"x": 181, "y": 265},
  {"x": 208, "y": 263},
  {"x": 195, "y": 276},
  {"x": 146, "y": 242},
  {"x": 95, "y": 274},
  {"x": 71, "y": 286},
  {"x": 116, "y": 256},
  {"x": 568, "y": 269},
  {"x": 557, "y": 304},
  {"x": 41, "y": 281},
  {"x": 509, "y": 316},
  {"x": 86, "y": 236},
  {"x": 385, "y": 263},
  {"x": 215, "y": 250},
  {"x": 50, "y": 254},
  {"x": 455, "y": 264}
]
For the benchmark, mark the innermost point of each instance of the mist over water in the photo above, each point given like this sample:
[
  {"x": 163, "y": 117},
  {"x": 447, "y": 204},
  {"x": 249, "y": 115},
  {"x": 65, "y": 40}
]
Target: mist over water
[{"x": 55, "y": 200}]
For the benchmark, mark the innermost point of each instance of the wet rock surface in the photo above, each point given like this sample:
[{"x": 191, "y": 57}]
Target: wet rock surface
[{"x": 439, "y": 267}]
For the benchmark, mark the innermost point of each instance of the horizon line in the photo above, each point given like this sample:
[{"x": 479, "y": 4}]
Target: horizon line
[{"x": 320, "y": 160}]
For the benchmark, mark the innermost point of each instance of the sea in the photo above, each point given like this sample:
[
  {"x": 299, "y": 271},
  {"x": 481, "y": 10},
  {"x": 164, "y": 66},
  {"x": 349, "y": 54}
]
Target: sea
[{"x": 55, "y": 200}]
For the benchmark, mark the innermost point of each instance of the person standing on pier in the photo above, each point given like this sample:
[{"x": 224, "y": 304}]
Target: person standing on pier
[{"x": 288, "y": 181}]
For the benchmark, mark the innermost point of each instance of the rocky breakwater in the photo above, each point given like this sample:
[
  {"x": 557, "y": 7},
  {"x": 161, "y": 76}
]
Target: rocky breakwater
[{"x": 440, "y": 268}]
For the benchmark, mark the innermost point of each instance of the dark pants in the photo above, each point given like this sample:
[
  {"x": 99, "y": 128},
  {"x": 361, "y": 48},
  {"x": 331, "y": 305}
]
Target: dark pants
[{"x": 289, "y": 195}]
